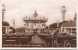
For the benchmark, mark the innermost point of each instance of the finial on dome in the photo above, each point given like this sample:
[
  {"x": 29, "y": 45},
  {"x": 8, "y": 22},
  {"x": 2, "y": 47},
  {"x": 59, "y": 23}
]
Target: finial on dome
[{"x": 35, "y": 13}]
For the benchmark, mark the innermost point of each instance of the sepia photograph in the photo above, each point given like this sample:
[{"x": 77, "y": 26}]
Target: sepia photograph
[{"x": 39, "y": 23}]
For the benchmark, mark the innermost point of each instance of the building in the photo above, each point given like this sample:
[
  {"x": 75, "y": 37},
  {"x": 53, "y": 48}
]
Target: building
[
  {"x": 35, "y": 21},
  {"x": 5, "y": 24},
  {"x": 6, "y": 28},
  {"x": 68, "y": 26}
]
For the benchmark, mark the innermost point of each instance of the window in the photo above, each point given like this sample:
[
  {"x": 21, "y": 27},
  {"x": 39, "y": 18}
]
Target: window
[
  {"x": 3, "y": 30},
  {"x": 73, "y": 30}
]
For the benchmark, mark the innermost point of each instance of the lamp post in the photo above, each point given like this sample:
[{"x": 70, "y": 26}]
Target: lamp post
[
  {"x": 63, "y": 12},
  {"x": 3, "y": 11}
]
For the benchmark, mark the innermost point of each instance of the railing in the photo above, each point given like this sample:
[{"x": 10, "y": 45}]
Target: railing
[{"x": 33, "y": 19}]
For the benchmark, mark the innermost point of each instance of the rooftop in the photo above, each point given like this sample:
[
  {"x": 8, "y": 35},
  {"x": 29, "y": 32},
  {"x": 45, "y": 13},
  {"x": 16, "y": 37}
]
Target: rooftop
[{"x": 35, "y": 17}]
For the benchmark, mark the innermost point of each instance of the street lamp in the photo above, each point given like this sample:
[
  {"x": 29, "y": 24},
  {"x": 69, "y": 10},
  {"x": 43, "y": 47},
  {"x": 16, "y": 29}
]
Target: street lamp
[{"x": 63, "y": 10}]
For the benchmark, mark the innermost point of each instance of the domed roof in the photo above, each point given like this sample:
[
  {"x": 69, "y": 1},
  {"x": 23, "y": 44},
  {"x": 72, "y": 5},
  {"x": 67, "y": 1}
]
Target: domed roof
[{"x": 4, "y": 23}]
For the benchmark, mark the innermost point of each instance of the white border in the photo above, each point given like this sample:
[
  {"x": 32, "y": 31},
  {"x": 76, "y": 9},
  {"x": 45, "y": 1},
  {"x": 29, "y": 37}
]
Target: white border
[{"x": 33, "y": 48}]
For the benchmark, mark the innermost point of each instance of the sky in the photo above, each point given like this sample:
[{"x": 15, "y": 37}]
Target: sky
[{"x": 18, "y": 9}]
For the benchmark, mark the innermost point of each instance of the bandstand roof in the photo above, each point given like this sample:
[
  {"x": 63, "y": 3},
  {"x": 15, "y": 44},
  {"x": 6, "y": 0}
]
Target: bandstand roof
[{"x": 35, "y": 18}]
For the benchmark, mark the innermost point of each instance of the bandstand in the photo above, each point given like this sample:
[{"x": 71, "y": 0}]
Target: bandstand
[{"x": 35, "y": 27}]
